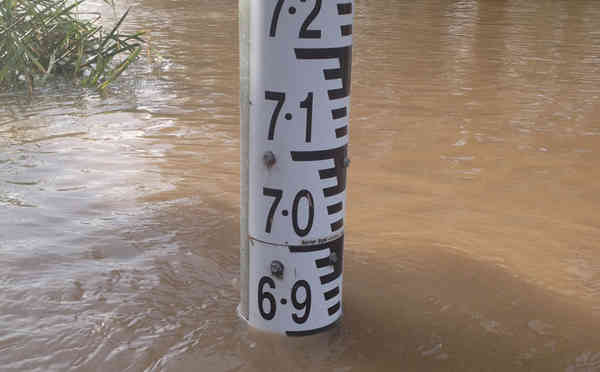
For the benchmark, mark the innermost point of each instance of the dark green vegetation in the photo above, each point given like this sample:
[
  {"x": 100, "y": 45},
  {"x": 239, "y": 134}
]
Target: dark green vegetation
[{"x": 44, "y": 38}]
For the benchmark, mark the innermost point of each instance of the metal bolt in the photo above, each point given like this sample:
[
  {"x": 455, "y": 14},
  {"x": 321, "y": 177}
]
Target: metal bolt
[
  {"x": 333, "y": 258},
  {"x": 269, "y": 159},
  {"x": 346, "y": 162},
  {"x": 277, "y": 269}
]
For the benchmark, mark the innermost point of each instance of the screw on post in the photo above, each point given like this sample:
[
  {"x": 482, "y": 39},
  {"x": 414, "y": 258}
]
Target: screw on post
[
  {"x": 277, "y": 269},
  {"x": 269, "y": 159},
  {"x": 333, "y": 258}
]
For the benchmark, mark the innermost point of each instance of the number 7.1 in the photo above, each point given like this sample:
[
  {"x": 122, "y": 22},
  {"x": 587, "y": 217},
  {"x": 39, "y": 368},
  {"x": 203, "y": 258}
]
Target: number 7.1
[
  {"x": 279, "y": 97},
  {"x": 308, "y": 105}
]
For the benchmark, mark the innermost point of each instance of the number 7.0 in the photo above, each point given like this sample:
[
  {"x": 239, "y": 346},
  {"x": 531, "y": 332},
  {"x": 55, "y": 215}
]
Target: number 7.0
[{"x": 277, "y": 194}]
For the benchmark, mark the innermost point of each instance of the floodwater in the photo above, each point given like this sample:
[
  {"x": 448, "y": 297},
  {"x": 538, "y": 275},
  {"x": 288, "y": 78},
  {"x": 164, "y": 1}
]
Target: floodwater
[{"x": 472, "y": 230}]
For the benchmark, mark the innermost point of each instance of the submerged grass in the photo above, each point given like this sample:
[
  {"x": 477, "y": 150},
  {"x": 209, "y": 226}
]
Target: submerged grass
[{"x": 44, "y": 38}]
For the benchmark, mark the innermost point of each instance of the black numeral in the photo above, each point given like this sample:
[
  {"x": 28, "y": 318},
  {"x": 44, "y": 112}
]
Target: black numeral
[
  {"x": 303, "y": 194},
  {"x": 277, "y": 194},
  {"x": 262, "y": 296},
  {"x": 311, "y": 212},
  {"x": 279, "y": 97},
  {"x": 298, "y": 305},
  {"x": 301, "y": 305},
  {"x": 275, "y": 19},
  {"x": 308, "y": 105},
  {"x": 305, "y": 33}
]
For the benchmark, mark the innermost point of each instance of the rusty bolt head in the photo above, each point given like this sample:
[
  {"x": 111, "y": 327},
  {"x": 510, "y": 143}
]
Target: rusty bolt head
[
  {"x": 277, "y": 269},
  {"x": 269, "y": 159}
]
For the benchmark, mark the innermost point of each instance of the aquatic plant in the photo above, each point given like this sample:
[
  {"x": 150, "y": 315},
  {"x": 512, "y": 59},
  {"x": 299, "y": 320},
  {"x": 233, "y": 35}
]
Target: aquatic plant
[{"x": 44, "y": 38}]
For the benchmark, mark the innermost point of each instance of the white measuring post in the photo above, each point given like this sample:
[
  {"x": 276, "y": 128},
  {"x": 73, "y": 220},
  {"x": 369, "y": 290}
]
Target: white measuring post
[{"x": 299, "y": 67}]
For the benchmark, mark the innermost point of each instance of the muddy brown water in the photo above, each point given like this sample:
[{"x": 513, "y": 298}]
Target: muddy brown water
[{"x": 472, "y": 228}]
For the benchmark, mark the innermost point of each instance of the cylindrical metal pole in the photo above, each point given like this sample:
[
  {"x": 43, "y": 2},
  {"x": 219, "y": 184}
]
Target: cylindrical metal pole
[
  {"x": 244, "y": 25},
  {"x": 299, "y": 90}
]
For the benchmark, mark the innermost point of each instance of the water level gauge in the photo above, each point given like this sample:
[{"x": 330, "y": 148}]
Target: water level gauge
[{"x": 300, "y": 68}]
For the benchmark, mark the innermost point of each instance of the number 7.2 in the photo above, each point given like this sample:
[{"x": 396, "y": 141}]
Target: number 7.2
[
  {"x": 305, "y": 32},
  {"x": 275, "y": 19}
]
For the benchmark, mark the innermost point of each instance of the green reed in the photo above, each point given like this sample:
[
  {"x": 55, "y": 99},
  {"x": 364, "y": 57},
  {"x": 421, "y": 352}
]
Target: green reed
[{"x": 44, "y": 38}]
